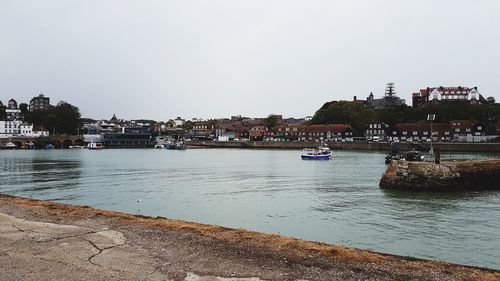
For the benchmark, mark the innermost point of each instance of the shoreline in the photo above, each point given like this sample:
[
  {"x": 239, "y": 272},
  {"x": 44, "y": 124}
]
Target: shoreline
[
  {"x": 445, "y": 147},
  {"x": 210, "y": 250}
]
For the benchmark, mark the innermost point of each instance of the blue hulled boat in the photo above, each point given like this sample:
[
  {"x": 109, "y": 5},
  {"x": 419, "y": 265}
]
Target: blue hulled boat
[{"x": 320, "y": 153}]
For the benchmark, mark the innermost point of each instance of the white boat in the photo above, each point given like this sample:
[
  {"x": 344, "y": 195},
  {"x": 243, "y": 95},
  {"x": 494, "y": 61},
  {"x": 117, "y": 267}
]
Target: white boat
[
  {"x": 320, "y": 153},
  {"x": 95, "y": 145},
  {"x": 76, "y": 146},
  {"x": 9, "y": 145}
]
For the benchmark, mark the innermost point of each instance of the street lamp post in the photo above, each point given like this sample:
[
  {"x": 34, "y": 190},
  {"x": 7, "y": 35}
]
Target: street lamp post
[{"x": 431, "y": 117}]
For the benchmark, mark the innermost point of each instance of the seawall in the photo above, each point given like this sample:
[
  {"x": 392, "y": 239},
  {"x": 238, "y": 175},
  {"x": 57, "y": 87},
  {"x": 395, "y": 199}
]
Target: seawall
[
  {"x": 449, "y": 176},
  {"x": 375, "y": 146}
]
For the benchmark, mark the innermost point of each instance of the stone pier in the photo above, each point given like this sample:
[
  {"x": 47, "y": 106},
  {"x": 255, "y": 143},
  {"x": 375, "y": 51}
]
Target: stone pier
[{"x": 449, "y": 176}]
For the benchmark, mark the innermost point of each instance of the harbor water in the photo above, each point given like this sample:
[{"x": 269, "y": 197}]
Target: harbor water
[{"x": 274, "y": 191}]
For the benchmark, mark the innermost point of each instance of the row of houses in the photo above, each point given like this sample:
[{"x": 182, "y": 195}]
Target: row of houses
[{"x": 454, "y": 130}]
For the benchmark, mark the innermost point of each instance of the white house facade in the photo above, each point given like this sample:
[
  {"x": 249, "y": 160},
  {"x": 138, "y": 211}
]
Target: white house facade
[{"x": 11, "y": 128}]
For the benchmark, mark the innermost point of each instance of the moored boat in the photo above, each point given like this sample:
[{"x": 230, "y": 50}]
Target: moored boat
[
  {"x": 180, "y": 145},
  {"x": 49, "y": 146},
  {"x": 95, "y": 146},
  {"x": 170, "y": 145},
  {"x": 320, "y": 153},
  {"x": 9, "y": 145}
]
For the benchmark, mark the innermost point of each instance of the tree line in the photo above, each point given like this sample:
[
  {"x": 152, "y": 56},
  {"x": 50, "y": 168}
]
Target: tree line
[{"x": 359, "y": 115}]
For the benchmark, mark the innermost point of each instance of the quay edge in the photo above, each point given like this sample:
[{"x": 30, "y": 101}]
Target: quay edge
[
  {"x": 173, "y": 250},
  {"x": 447, "y": 176}
]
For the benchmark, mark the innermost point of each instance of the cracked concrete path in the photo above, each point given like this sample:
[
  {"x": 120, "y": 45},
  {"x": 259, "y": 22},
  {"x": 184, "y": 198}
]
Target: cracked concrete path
[{"x": 46, "y": 251}]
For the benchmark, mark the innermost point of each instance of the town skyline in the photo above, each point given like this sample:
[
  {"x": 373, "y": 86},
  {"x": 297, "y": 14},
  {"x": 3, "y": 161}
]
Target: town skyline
[{"x": 197, "y": 59}]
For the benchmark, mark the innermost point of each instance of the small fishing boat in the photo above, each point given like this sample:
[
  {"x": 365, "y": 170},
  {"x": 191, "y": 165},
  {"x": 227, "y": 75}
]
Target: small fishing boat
[
  {"x": 414, "y": 155},
  {"x": 320, "y": 153},
  {"x": 9, "y": 145},
  {"x": 48, "y": 146},
  {"x": 180, "y": 145},
  {"x": 170, "y": 145},
  {"x": 95, "y": 146}
]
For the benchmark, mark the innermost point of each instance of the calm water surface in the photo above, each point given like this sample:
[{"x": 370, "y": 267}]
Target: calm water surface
[{"x": 336, "y": 201}]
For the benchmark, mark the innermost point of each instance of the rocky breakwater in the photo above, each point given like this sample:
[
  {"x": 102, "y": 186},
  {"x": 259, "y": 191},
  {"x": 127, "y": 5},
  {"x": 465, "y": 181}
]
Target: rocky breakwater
[{"x": 447, "y": 176}]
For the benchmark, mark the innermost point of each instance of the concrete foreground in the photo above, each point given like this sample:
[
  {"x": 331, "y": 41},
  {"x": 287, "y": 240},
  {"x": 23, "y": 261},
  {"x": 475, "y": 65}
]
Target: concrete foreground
[{"x": 48, "y": 241}]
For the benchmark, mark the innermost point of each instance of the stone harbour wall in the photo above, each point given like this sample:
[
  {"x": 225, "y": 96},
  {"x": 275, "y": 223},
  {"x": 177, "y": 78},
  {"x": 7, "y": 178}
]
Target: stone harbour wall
[{"x": 449, "y": 176}]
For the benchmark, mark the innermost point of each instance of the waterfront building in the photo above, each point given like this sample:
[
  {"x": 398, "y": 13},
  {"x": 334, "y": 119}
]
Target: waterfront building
[
  {"x": 127, "y": 139},
  {"x": 12, "y": 128},
  {"x": 376, "y": 129},
  {"x": 39, "y": 103},
  {"x": 329, "y": 133},
  {"x": 258, "y": 133},
  {"x": 204, "y": 130},
  {"x": 9, "y": 128},
  {"x": 39, "y": 131},
  {"x": 204, "y": 126},
  {"x": 455, "y": 130},
  {"x": 447, "y": 94},
  {"x": 26, "y": 129}
]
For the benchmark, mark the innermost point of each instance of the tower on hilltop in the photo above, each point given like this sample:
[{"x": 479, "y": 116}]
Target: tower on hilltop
[{"x": 389, "y": 90}]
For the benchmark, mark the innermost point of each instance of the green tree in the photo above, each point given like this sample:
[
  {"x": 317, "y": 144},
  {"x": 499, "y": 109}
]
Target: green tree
[
  {"x": 3, "y": 115},
  {"x": 61, "y": 119},
  {"x": 271, "y": 121},
  {"x": 66, "y": 119},
  {"x": 24, "y": 108},
  {"x": 357, "y": 115}
]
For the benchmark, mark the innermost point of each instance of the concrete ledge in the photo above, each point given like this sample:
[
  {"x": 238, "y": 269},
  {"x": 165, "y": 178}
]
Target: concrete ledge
[{"x": 42, "y": 240}]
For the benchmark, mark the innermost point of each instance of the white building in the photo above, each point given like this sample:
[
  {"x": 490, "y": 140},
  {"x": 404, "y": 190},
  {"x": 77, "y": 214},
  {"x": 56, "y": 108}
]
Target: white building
[
  {"x": 13, "y": 113},
  {"x": 454, "y": 93},
  {"x": 438, "y": 94},
  {"x": 179, "y": 122},
  {"x": 376, "y": 129},
  {"x": 26, "y": 129},
  {"x": 12, "y": 128},
  {"x": 9, "y": 128}
]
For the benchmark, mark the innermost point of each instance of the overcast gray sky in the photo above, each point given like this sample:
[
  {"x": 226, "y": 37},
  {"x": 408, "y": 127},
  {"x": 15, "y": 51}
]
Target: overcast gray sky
[{"x": 216, "y": 58}]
